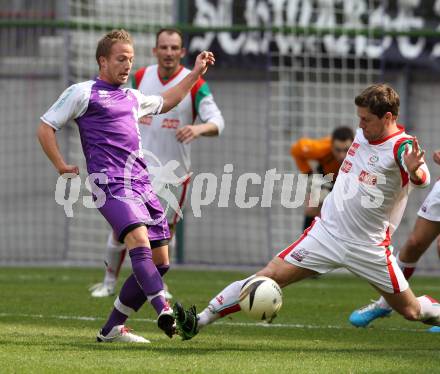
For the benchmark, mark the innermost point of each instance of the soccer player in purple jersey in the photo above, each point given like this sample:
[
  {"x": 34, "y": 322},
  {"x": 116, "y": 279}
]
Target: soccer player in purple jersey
[{"x": 107, "y": 115}]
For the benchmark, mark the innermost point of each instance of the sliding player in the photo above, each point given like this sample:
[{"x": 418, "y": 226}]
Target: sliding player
[{"x": 357, "y": 219}]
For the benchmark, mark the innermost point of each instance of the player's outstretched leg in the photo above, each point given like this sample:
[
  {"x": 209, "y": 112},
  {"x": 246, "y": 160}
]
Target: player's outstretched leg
[
  {"x": 226, "y": 302},
  {"x": 115, "y": 255},
  {"x": 423, "y": 234}
]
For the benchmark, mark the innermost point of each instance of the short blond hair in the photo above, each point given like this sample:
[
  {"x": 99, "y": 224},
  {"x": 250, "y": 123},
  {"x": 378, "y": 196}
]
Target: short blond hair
[{"x": 105, "y": 44}]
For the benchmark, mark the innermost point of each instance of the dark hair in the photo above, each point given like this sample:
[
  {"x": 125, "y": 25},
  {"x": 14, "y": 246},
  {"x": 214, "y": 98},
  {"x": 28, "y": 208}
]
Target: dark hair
[
  {"x": 170, "y": 30},
  {"x": 343, "y": 133},
  {"x": 105, "y": 44},
  {"x": 379, "y": 99}
]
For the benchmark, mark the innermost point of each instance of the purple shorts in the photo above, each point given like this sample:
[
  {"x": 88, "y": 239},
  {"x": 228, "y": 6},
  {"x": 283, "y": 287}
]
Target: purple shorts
[{"x": 130, "y": 205}]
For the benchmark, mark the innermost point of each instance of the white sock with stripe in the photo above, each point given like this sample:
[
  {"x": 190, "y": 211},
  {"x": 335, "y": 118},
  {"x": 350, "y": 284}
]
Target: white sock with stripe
[
  {"x": 226, "y": 302},
  {"x": 114, "y": 257},
  {"x": 429, "y": 310}
]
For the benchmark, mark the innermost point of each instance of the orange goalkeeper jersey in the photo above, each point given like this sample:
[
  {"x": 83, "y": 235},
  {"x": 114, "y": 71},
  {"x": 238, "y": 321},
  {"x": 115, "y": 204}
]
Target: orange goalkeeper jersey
[{"x": 318, "y": 150}]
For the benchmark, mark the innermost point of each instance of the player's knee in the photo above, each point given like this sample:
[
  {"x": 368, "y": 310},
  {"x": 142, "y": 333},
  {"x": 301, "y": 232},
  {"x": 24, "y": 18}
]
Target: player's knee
[{"x": 137, "y": 238}]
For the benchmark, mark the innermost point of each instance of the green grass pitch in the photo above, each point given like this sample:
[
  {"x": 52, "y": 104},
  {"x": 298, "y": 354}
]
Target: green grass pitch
[{"x": 48, "y": 324}]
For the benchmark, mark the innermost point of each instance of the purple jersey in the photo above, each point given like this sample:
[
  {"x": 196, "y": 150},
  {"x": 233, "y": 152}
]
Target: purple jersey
[{"x": 107, "y": 117}]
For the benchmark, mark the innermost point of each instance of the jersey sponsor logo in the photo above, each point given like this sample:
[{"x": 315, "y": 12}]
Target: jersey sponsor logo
[
  {"x": 354, "y": 147},
  {"x": 367, "y": 178},
  {"x": 299, "y": 254},
  {"x": 103, "y": 94},
  {"x": 146, "y": 120},
  {"x": 170, "y": 123},
  {"x": 346, "y": 166}
]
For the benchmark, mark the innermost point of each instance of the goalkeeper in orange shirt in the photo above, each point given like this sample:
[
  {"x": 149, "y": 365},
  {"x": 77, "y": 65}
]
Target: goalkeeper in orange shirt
[{"x": 322, "y": 156}]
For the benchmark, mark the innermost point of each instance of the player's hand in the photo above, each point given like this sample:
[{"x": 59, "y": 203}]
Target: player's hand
[
  {"x": 413, "y": 158},
  {"x": 68, "y": 169},
  {"x": 436, "y": 157},
  {"x": 203, "y": 61},
  {"x": 187, "y": 134}
]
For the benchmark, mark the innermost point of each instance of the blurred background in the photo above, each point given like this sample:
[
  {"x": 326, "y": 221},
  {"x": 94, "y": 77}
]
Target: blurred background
[{"x": 285, "y": 69}]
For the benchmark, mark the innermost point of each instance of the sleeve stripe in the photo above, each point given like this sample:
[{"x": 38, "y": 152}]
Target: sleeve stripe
[
  {"x": 194, "y": 96},
  {"x": 398, "y": 149}
]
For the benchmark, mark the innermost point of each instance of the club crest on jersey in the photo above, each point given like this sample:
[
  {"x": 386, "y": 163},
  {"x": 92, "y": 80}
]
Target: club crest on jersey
[
  {"x": 354, "y": 147},
  {"x": 346, "y": 166},
  {"x": 372, "y": 160},
  {"x": 367, "y": 178}
]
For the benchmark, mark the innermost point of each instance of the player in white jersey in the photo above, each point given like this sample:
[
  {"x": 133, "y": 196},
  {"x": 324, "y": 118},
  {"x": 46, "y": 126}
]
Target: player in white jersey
[
  {"x": 426, "y": 230},
  {"x": 357, "y": 219},
  {"x": 166, "y": 139}
]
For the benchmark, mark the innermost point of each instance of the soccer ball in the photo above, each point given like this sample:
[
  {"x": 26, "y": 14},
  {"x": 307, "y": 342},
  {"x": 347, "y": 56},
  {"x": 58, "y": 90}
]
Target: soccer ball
[{"x": 261, "y": 298}]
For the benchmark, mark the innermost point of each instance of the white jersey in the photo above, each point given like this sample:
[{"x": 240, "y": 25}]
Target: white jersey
[
  {"x": 371, "y": 191},
  {"x": 159, "y": 132}
]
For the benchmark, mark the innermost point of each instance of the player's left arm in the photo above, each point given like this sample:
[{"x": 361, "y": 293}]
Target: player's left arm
[
  {"x": 206, "y": 108},
  {"x": 176, "y": 94},
  {"x": 414, "y": 162}
]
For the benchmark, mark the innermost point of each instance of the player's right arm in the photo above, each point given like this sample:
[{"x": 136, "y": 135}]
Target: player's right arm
[
  {"x": 48, "y": 141},
  {"x": 306, "y": 149},
  {"x": 70, "y": 105}
]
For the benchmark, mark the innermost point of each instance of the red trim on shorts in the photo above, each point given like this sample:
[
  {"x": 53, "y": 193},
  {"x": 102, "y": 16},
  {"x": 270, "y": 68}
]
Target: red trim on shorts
[
  {"x": 185, "y": 185},
  {"x": 387, "y": 241},
  {"x": 232, "y": 309},
  {"x": 286, "y": 251},
  {"x": 391, "y": 272}
]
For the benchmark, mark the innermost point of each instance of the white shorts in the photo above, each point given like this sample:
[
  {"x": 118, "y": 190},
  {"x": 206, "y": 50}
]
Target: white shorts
[
  {"x": 430, "y": 208},
  {"x": 320, "y": 251}
]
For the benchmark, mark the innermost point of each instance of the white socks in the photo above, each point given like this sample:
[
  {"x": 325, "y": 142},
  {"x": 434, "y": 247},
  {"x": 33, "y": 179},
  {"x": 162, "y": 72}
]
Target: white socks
[
  {"x": 226, "y": 302},
  {"x": 429, "y": 310},
  {"x": 115, "y": 254}
]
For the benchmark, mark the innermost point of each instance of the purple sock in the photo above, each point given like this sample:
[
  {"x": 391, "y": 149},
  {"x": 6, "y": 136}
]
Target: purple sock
[
  {"x": 147, "y": 275},
  {"x": 131, "y": 294},
  {"x": 116, "y": 318},
  {"x": 162, "y": 269}
]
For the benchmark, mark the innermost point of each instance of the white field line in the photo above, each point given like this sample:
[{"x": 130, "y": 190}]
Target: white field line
[{"x": 222, "y": 323}]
